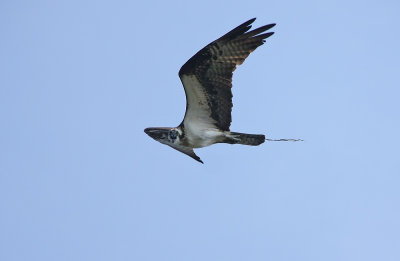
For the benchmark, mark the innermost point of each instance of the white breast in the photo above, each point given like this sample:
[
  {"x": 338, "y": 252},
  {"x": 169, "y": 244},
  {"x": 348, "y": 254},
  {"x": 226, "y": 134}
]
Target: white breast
[{"x": 200, "y": 128}]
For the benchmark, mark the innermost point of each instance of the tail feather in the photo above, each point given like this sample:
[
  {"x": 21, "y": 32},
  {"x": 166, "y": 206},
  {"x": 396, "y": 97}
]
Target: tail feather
[{"x": 245, "y": 139}]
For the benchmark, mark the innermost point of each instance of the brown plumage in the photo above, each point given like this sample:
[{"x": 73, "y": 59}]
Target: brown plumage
[
  {"x": 213, "y": 67},
  {"x": 207, "y": 80}
]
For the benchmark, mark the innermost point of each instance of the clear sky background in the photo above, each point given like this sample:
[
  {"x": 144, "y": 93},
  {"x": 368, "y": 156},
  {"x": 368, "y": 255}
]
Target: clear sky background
[{"x": 80, "y": 180}]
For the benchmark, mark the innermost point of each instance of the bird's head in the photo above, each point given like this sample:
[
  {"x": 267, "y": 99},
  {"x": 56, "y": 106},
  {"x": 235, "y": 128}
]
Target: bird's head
[{"x": 166, "y": 136}]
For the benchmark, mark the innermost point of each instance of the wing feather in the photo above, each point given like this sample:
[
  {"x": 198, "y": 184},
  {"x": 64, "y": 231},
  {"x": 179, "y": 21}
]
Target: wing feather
[
  {"x": 186, "y": 150},
  {"x": 212, "y": 68}
]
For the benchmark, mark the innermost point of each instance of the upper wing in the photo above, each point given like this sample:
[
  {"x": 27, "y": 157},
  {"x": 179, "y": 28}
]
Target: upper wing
[{"x": 207, "y": 76}]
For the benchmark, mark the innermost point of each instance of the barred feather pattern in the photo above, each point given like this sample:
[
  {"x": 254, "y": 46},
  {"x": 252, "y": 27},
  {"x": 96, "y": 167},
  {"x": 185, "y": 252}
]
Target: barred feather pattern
[
  {"x": 213, "y": 66},
  {"x": 246, "y": 139}
]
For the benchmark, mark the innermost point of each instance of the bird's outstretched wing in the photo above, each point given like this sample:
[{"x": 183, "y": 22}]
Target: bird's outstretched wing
[
  {"x": 207, "y": 76},
  {"x": 188, "y": 151}
]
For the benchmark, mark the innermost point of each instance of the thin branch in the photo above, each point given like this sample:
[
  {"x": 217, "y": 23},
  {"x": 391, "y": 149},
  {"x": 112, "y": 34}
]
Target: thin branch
[{"x": 285, "y": 140}]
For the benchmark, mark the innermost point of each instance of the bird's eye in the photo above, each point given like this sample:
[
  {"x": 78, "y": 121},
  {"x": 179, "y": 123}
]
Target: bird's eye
[{"x": 172, "y": 134}]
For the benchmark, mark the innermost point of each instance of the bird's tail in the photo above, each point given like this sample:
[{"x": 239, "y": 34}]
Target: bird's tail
[
  {"x": 245, "y": 139},
  {"x": 250, "y": 139}
]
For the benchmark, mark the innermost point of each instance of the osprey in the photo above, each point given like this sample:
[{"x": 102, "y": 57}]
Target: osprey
[{"x": 207, "y": 80}]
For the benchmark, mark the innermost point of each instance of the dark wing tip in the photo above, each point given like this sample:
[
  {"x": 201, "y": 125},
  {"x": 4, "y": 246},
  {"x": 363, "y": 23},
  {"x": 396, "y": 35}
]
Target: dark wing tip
[
  {"x": 258, "y": 32},
  {"x": 265, "y": 36},
  {"x": 238, "y": 30},
  {"x": 251, "y": 20},
  {"x": 197, "y": 158},
  {"x": 245, "y": 24},
  {"x": 266, "y": 27}
]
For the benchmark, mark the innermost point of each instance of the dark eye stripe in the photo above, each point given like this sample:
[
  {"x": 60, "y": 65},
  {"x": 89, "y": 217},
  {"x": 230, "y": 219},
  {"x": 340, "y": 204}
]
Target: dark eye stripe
[{"x": 172, "y": 135}]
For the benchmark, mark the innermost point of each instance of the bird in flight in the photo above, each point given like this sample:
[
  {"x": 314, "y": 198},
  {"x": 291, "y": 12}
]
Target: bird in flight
[{"x": 207, "y": 80}]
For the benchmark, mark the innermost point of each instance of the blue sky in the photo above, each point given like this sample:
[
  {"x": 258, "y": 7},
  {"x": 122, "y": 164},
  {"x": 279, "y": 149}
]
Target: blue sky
[{"x": 80, "y": 180}]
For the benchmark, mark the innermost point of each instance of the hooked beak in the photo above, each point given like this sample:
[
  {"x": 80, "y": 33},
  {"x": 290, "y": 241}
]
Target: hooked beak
[{"x": 156, "y": 133}]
